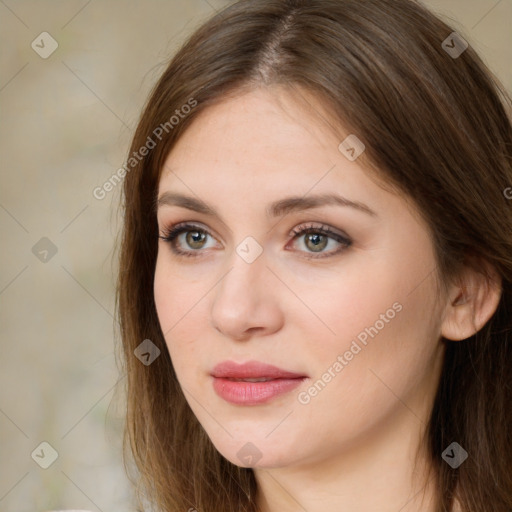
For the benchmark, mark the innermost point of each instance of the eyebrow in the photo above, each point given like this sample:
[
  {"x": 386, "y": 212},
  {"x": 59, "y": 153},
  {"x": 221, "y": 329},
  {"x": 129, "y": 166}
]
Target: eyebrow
[{"x": 275, "y": 209}]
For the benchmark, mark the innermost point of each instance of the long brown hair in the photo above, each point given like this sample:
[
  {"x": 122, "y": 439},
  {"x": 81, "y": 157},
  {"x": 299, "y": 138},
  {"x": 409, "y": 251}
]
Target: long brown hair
[{"x": 435, "y": 126}]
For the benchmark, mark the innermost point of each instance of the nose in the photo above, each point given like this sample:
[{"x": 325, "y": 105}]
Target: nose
[{"x": 244, "y": 303}]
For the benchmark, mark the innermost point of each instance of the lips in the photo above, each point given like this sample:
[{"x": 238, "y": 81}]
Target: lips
[
  {"x": 252, "y": 370},
  {"x": 253, "y": 382}
]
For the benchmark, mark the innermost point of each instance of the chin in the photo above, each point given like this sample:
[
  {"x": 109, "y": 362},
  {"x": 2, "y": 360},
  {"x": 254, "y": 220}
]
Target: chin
[{"x": 255, "y": 453}]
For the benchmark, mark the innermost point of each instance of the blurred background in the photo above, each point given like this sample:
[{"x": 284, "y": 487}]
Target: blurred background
[{"x": 73, "y": 78}]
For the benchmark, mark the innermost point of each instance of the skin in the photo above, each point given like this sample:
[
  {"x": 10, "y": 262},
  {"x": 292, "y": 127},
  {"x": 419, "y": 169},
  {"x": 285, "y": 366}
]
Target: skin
[{"x": 353, "y": 445}]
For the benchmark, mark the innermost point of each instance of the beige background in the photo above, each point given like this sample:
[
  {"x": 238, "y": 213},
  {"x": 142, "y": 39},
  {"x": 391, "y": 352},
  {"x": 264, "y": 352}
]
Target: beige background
[{"x": 66, "y": 124}]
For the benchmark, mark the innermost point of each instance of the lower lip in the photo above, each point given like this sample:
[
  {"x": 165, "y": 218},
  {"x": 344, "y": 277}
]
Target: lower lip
[{"x": 253, "y": 393}]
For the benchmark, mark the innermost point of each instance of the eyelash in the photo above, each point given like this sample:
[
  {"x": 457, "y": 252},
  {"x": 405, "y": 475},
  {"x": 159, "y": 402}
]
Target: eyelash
[{"x": 173, "y": 232}]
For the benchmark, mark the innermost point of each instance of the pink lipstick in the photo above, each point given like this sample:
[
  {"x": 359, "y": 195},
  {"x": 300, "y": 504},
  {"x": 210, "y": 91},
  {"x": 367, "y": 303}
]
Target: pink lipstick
[{"x": 253, "y": 382}]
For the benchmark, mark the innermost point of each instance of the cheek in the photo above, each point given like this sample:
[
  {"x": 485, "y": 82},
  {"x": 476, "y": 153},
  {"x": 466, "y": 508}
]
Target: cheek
[
  {"x": 165, "y": 295},
  {"x": 346, "y": 305},
  {"x": 177, "y": 291},
  {"x": 388, "y": 294},
  {"x": 384, "y": 327},
  {"x": 178, "y": 302}
]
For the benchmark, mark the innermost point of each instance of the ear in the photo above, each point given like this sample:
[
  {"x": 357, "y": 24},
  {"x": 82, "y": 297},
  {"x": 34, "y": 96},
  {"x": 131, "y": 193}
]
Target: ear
[{"x": 472, "y": 301}]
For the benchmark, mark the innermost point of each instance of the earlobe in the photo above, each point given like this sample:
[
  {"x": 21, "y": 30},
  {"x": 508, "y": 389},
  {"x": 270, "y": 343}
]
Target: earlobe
[{"x": 471, "y": 303}]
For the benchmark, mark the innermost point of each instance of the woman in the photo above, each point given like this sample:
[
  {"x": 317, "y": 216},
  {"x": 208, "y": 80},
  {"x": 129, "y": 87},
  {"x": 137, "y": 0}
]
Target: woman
[{"x": 316, "y": 267}]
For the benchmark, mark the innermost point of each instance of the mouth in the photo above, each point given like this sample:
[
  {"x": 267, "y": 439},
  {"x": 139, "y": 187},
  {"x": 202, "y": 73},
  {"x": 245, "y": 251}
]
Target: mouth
[
  {"x": 262, "y": 379},
  {"x": 252, "y": 383}
]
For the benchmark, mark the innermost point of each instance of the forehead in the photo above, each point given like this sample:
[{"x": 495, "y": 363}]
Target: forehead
[
  {"x": 262, "y": 146},
  {"x": 263, "y": 135}
]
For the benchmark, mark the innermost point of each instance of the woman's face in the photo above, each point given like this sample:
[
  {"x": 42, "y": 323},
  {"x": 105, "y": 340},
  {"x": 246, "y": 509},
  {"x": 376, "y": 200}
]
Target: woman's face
[{"x": 352, "y": 314}]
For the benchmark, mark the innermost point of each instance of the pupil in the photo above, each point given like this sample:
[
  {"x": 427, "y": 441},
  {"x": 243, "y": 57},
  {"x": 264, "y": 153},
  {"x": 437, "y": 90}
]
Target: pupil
[
  {"x": 316, "y": 239},
  {"x": 195, "y": 237}
]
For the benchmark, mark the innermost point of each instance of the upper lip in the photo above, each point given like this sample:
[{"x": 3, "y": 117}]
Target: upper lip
[{"x": 252, "y": 370}]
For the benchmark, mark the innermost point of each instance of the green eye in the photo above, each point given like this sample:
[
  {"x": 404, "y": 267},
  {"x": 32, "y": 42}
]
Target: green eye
[{"x": 316, "y": 239}]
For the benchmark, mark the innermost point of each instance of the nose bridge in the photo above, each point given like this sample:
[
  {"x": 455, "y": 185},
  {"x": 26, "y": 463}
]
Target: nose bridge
[
  {"x": 242, "y": 300},
  {"x": 245, "y": 276}
]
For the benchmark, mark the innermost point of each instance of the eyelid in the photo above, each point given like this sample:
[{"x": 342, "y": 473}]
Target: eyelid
[
  {"x": 172, "y": 232},
  {"x": 340, "y": 237},
  {"x": 188, "y": 226},
  {"x": 318, "y": 227}
]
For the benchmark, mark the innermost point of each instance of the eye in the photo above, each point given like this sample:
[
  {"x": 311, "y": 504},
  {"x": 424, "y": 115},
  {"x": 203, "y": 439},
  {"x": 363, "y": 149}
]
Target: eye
[
  {"x": 195, "y": 238},
  {"x": 315, "y": 240}
]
